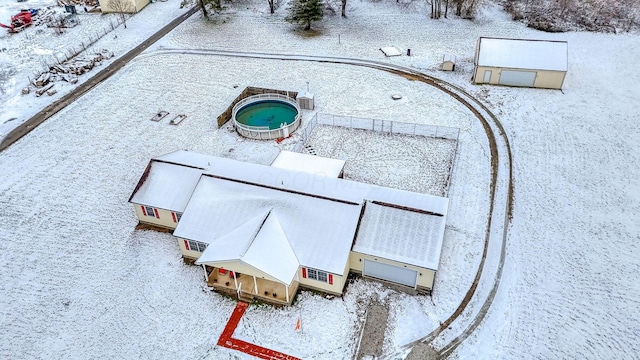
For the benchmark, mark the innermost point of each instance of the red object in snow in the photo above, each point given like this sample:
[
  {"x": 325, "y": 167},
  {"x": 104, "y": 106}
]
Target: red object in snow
[{"x": 19, "y": 21}]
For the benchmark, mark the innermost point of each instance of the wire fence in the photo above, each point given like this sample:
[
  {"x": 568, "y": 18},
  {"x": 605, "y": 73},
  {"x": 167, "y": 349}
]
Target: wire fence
[
  {"x": 73, "y": 51},
  {"x": 387, "y": 126}
]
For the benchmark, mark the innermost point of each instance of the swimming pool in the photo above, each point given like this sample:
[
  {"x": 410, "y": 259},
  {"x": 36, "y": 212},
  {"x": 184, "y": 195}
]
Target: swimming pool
[
  {"x": 267, "y": 113},
  {"x": 266, "y": 116}
]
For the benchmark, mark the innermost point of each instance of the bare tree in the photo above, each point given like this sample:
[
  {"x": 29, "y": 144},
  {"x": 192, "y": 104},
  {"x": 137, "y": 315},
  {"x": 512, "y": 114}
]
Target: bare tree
[
  {"x": 466, "y": 8},
  {"x": 273, "y": 5},
  {"x": 216, "y": 5},
  {"x": 123, "y": 8},
  {"x": 436, "y": 9}
]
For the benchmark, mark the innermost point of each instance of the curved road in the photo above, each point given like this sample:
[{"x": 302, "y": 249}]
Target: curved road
[{"x": 455, "y": 329}]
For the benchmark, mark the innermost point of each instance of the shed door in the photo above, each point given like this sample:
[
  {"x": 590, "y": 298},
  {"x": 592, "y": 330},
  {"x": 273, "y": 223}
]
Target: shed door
[
  {"x": 390, "y": 273},
  {"x": 487, "y": 76},
  {"x": 517, "y": 78}
]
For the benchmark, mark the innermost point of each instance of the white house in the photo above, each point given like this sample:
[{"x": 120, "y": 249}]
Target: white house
[{"x": 263, "y": 231}]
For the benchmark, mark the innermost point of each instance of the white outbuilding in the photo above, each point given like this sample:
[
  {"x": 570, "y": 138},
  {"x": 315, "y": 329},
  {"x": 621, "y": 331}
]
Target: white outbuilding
[{"x": 520, "y": 62}]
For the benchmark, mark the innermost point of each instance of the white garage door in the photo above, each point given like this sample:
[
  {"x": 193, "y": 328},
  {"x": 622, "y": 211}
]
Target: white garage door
[
  {"x": 391, "y": 273},
  {"x": 517, "y": 78}
]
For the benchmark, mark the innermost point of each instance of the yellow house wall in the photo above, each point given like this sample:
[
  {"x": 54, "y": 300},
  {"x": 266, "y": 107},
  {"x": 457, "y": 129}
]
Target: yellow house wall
[
  {"x": 425, "y": 276},
  {"x": 188, "y": 253},
  {"x": 335, "y": 288},
  {"x": 550, "y": 79},
  {"x": 138, "y": 4},
  {"x": 544, "y": 78},
  {"x": 165, "y": 220}
]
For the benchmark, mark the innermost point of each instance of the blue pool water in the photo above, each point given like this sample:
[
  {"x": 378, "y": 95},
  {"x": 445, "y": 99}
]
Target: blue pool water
[{"x": 269, "y": 113}]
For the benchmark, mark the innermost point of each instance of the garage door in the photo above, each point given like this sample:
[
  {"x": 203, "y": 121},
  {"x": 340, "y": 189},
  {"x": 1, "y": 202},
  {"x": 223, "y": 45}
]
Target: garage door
[
  {"x": 391, "y": 273},
  {"x": 517, "y": 78}
]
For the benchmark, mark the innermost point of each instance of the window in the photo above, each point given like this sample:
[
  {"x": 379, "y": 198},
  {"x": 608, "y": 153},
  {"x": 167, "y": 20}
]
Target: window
[
  {"x": 318, "y": 275},
  {"x": 176, "y": 216},
  {"x": 150, "y": 211},
  {"x": 195, "y": 245}
]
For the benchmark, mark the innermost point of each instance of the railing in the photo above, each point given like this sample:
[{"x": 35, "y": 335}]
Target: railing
[
  {"x": 263, "y": 132},
  {"x": 388, "y": 126}
]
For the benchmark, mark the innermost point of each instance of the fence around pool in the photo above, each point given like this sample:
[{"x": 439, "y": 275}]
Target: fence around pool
[{"x": 264, "y": 132}]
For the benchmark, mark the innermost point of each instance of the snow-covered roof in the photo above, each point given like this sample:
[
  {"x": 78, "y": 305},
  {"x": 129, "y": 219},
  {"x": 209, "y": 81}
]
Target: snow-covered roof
[
  {"x": 523, "y": 54},
  {"x": 304, "y": 94},
  {"x": 172, "y": 177},
  {"x": 390, "y": 51},
  {"x": 166, "y": 186},
  {"x": 318, "y": 216},
  {"x": 320, "y": 232},
  {"x": 326, "y": 187},
  {"x": 405, "y": 236},
  {"x": 260, "y": 243},
  {"x": 193, "y": 159},
  {"x": 311, "y": 164}
]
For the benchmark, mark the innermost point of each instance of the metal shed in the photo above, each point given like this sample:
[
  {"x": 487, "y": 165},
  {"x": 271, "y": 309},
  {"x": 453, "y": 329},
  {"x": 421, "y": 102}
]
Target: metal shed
[
  {"x": 521, "y": 62},
  {"x": 306, "y": 100}
]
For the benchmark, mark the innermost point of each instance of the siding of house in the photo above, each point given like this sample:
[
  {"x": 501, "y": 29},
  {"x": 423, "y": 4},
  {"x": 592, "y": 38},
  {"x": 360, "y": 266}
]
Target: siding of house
[
  {"x": 545, "y": 79},
  {"x": 189, "y": 254},
  {"x": 164, "y": 219},
  {"x": 335, "y": 288},
  {"x": 138, "y": 4},
  {"x": 425, "y": 276}
]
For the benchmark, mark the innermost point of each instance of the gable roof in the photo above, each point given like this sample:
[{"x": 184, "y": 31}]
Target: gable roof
[
  {"x": 169, "y": 180},
  {"x": 522, "y": 54},
  {"x": 166, "y": 186},
  {"x": 241, "y": 208},
  {"x": 320, "y": 232},
  {"x": 260, "y": 243}
]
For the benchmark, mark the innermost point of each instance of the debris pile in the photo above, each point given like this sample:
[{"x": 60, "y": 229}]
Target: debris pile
[
  {"x": 67, "y": 71},
  {"x": 44, "y": 16},
  {"x": 78, "y": 2}
]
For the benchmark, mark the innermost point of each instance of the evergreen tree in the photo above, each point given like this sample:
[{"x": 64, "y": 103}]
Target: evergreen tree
[{"x": 305, "y": 11}]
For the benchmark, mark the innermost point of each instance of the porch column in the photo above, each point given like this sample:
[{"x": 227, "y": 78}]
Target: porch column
[
  {"x": 235, "y": 281},
  {"x": 255, "y": 284},
  {"x": 286, "y": 291},
  {"x": 206, "y": 276}
]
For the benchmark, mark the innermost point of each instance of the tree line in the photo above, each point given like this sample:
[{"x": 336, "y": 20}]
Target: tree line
[{"x": 546, "y": 15}]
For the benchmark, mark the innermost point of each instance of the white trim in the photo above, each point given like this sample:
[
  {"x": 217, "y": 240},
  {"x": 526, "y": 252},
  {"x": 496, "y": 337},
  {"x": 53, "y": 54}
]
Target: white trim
[
  {"x": 255, "y": 284},
  {"x": 235, "y": 281}
]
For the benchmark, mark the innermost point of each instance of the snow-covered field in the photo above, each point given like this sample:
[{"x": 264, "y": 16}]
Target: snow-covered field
[
  {"x": 77, "y": 281},
  {"x": 25, "y": 54}
]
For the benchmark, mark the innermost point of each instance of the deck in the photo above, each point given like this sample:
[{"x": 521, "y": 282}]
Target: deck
[{"x": 267, "y": 291}]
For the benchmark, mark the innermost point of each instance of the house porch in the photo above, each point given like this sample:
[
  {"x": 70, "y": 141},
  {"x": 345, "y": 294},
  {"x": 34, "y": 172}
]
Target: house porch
[{"x": 247, "y": 287}]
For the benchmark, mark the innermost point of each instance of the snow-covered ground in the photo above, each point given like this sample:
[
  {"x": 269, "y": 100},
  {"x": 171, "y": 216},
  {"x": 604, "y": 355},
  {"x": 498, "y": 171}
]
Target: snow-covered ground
[
  {"x": 25, "y": 54},
  {"x": 77, "y": 281}
]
